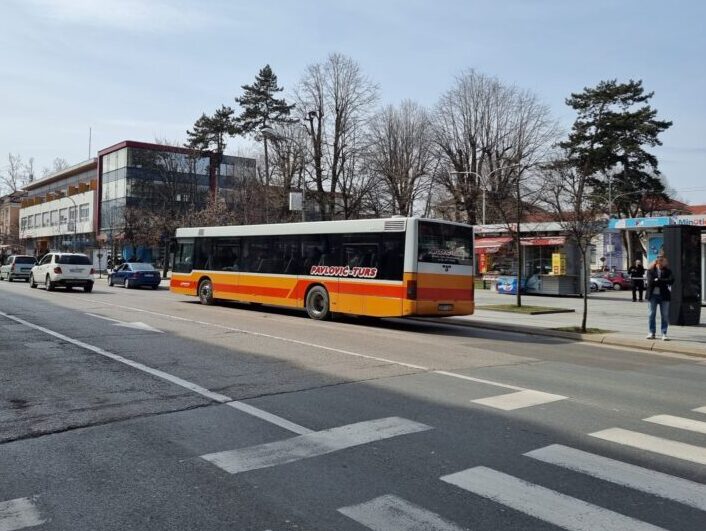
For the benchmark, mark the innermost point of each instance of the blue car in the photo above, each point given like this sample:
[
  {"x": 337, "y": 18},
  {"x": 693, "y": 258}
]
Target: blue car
[{"x": 135, "y": 274}]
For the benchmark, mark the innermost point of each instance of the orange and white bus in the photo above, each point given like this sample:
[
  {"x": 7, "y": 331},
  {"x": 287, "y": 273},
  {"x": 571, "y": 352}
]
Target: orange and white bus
[{"x": 375, "y": 267}]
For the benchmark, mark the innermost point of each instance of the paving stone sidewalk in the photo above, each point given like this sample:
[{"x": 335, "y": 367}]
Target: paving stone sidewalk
[{"x": 612, "y": 310}]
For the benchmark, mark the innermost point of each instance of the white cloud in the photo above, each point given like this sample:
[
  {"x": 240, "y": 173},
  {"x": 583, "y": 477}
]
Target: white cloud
[{"x": 131, "y": 15}]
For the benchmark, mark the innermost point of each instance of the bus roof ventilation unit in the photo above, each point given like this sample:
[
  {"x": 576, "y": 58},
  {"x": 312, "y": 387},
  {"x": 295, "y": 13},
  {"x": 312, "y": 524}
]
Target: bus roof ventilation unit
[{"x": 394, "y": 225}]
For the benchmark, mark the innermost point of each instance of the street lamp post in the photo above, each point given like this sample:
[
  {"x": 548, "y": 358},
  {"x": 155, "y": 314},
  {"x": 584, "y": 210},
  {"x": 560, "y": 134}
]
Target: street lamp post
[{"x": 484, "y": 181}]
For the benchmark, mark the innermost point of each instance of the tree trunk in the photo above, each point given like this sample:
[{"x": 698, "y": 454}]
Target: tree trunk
[
  {"x": 584, "y": 289},
  {"x": 267, "y": 181},
  {"x": 518, "y": 245},
  {"x": 165, "y": 265}
]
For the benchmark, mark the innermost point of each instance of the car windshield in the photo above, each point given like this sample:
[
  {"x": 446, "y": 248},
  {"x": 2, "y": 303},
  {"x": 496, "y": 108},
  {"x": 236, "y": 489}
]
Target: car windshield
[
  {"x": 141, "y": 267},
  {"x": 73, "y": 259},
  {"x": 25, "y": 260}
]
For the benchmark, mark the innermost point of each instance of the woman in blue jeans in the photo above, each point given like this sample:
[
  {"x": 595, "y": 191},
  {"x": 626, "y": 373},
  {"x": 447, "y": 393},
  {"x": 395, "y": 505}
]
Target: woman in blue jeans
[{"x": 659, "y": 292}]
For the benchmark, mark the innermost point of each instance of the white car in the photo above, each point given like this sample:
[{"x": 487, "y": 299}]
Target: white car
[
  {"x": 17, "y": 266},
  {"x": 67, "y": 270},
  {"x": 600, "y": 284}
]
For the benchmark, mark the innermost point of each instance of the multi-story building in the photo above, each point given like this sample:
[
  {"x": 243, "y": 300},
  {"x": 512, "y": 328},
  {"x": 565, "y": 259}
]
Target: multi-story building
[
  {"x": 84, "y": 208},
  {"x": 59, "y": 211},
  {"x": 168, "y": 180},
  {"x": 9, "y": 222}
]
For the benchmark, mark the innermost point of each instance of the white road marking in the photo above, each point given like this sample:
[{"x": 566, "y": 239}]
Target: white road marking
[
  {"x": 536, "y": 395},
  {"x": 700, "y": 409},
  {"x": 137, "y": 325},
  {"x": 312, "y": 444},
  {"x": 658, "y": 445},
  {"x": 19, "y": 513},
  {"x": 520, "y": 399},
  {"x": 278, "y": 338},
  {"x": 217, "y": 397},
  {"x": 678, "y": 422},
  {"x": 542, "y": 503},
  {"x": 390, "y": 513},
  {"x": 269, "y": 417},
  {"x": 480, "y": 380},
  {"x": 656, "y": 483}
]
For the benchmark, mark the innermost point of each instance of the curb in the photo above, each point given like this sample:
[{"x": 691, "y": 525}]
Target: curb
[{"x": 603, "y": 339}]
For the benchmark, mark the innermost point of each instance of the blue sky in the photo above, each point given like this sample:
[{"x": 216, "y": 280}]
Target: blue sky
[{"x": 140, "y": 69}]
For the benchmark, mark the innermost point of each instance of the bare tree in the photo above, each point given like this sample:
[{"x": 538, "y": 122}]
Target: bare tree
[
  {"x": 333, "y": 99},
  {"x": 400, "y": 150},
  {"x": 16, "y": 174},
  {"x": 571, "y": 198},
  {"x": 482, "y": 126},
  {"x": 58, "y": 164},
  {"x": 288, "y": 160}
]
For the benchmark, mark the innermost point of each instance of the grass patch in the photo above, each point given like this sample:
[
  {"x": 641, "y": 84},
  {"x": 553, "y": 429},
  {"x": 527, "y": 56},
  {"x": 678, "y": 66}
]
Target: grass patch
[
  {"x": 526, "y": 309},
  {"x": 577, "y": 329}
]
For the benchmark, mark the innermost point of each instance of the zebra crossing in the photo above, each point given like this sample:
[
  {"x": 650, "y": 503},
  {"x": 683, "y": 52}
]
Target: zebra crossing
[
  {"x": 553, "y": 507},
  {"x": 20, "y": 513}
]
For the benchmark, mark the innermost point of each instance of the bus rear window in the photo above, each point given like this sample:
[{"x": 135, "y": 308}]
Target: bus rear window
[{"x": 440, "y": 243}]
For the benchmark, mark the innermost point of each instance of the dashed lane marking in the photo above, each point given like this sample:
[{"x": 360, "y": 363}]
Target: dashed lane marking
[
  {"x": 678, "y": 422},
  {"x": 658, "y": 445},
  {"x": 542, "y": 503},
  {"x": 625, "y": 474},
  {"x": 530, "y": 397},
  {"x": 19, "y": 513},
  {"x": 700, "y": 409},
  {"x": 390, "y": 513},
  {"x": 312, "y": 444}
]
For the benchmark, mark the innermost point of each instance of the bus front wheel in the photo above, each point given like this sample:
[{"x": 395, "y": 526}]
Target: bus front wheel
[
  {"x": 206, "y": 292},
  {"x": 317, "y": 303}
]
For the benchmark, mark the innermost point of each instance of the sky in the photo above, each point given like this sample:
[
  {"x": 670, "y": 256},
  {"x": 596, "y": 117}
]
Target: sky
[{"x": 146, "y": 69}]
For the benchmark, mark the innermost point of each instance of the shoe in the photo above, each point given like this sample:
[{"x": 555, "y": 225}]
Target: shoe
[
  {"x": 664, "y": 337},
  {"x": 650, "y": 336}
]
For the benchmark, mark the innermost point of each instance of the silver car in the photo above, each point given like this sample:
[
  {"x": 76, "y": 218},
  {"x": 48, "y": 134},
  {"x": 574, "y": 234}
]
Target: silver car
[{"x": 17, "y": 266}]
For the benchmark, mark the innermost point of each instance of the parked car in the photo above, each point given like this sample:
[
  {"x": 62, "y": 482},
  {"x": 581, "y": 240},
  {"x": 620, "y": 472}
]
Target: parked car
[
  {"x": 134, "y": 275},
  {"x": 17, "y": 266},
  {"x": 66, "y": 270},
  {"x": 600, "y": 283},
  {"x": 619, "y": 279}
]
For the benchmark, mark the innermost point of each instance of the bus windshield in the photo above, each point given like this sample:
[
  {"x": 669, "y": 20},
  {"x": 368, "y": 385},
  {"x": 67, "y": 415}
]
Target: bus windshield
[{"x": 440, "y": 243}]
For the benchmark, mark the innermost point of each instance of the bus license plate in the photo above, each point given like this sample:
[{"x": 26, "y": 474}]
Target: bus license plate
[{"x": 446, "y": 307}]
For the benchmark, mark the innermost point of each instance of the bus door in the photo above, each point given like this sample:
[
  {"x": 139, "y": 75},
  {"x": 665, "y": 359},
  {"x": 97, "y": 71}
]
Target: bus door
[{"x": 224, "y": 257}]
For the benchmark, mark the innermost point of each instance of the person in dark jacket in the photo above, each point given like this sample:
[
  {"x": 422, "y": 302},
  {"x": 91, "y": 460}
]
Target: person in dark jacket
[
  {"x": 659, "y": 286},
  {"x": 637, "y": 279}
]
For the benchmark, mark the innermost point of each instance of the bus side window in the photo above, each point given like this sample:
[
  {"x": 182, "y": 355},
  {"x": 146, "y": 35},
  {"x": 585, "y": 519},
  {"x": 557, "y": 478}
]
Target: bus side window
[{"x": 183, "y": 258}]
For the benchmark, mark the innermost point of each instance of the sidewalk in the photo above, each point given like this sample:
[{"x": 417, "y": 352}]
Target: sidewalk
[{"x": 612, "y": 311}]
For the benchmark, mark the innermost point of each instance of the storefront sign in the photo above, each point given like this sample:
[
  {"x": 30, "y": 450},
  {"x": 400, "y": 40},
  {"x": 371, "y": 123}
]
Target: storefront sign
[
  {"x": 558, "y": 264},
  {"x": 557, "y": 240}
]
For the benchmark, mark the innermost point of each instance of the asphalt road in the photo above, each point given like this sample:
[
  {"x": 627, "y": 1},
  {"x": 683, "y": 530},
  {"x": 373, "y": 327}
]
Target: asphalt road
[{"x": 139, "y": 409}]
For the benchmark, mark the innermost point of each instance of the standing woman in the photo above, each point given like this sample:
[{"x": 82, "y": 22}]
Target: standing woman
[{"x": 659, "y": 293}]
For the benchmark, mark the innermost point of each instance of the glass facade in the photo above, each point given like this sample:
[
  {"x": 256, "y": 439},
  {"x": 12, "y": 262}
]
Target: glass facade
[{"x": 148, "y": 178}]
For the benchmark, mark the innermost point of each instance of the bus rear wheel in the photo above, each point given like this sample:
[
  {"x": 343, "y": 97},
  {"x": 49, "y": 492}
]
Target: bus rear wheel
[
  {"x": 317, "y": 303},
  {"x": 206, "y": 292}
]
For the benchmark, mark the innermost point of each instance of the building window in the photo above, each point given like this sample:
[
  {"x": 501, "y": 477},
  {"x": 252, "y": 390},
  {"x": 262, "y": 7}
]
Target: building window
[
  {"x": 23, "y": 223},
  {"x": 37, "y": 220},
  {"x": 45, "y": 219},
  {"x": 72, "y": 213},
  {"x": 83, "y": 212},
  {"x": 62, "y": 216},
  {"x": 29, "y": 222},
  {"x": 54, "y": 218}
]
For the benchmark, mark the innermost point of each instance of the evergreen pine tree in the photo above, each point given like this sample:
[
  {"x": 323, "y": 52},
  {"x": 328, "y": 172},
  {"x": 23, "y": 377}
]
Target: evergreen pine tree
[
  {"x": 211, "y": 132},
  {"x": 607, "y": 143},
  {"x": 260, "y": 111}
]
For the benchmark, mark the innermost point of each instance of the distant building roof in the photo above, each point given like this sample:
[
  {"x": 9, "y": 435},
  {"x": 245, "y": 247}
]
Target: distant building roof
[
  {"x": 63, "y": 174},
  {"x": 697, "y": 210}
]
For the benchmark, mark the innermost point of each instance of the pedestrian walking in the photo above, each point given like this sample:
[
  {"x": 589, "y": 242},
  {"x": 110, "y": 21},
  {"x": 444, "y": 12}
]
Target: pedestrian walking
[
  {"x": 659, "y": 293},
  {"x": 637, "y": 279}
]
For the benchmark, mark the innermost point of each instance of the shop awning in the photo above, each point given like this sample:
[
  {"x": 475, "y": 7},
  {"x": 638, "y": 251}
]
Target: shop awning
[
  {"x": 543, "y": 241},
  {"x": 490, "y": 245}
]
